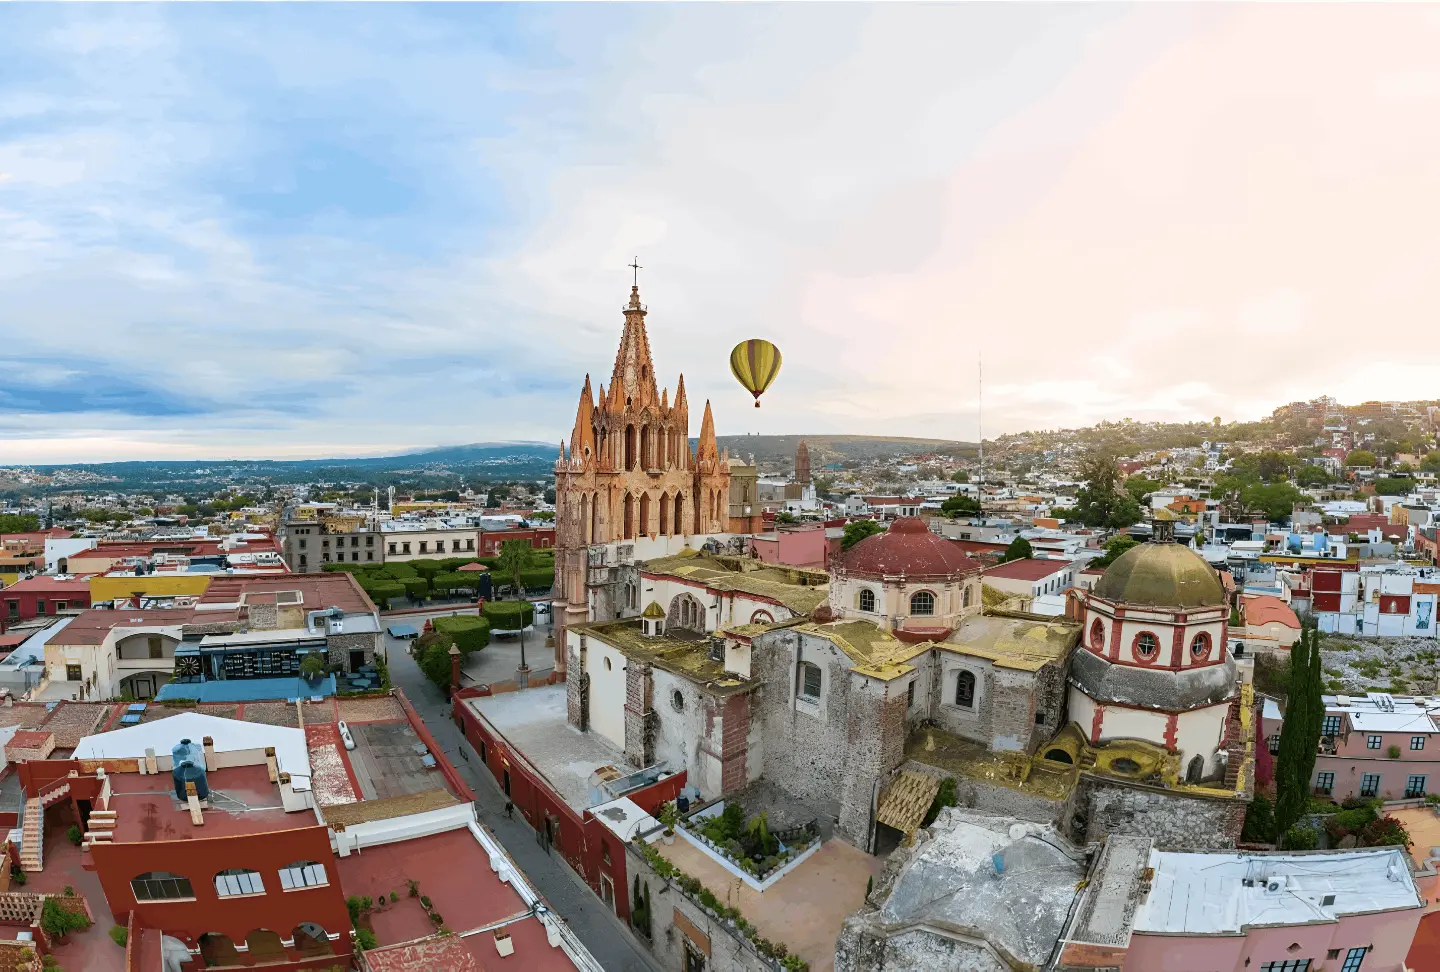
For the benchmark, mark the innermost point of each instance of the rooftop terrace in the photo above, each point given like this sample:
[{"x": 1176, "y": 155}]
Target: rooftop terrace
[
  {"x": 682, "y": 652},
  {"x": 242, "y": 801},
  {"x": 800, "y": 590}
]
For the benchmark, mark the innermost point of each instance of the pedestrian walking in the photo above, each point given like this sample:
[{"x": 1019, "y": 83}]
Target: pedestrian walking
[{"x": 509, "y": 810}]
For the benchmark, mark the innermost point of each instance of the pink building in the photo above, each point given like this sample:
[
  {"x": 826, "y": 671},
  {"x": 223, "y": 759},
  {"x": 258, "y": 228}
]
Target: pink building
[
  {"x": 1349, "y": 911},
  {"x": 802, "y": 547},
  {"x": 1380, "y": 745}
]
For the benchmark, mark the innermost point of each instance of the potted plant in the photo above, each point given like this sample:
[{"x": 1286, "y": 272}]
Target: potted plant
[
  {"x": 670, "y": 817},
  {"x": 312, "y": 668}
]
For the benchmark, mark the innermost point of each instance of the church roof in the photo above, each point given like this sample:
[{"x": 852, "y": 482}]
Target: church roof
[
  {"x": 1020, "y": 643},
  {"x": 875, "y": 651},
  {"x": 780, "y": 584},
  {"x": 653, "y": 610},
  {"x": 1161, "y": 575},
  {"x": 907, "y": 548}
]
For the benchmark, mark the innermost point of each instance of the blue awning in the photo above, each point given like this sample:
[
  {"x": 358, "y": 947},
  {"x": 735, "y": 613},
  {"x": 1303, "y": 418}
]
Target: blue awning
[
  {"x": 246, "y": 689},
  {"x": 403, "y": 631}
]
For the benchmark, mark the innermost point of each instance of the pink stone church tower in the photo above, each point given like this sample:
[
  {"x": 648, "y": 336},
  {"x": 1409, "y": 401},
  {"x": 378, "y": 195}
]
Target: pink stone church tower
[{"x": 628, "y": 472}]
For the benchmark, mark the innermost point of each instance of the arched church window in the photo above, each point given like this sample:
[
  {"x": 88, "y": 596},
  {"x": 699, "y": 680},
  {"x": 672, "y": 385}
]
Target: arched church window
[
  {"x": 1196, "y": 772},
  {"x": 1200, "y": 646},
  {"x": 1146, "y": 645},
  {"x": 762, "y": 617},
  {"x": 965, "y": 596},
  {"x": 1097, "y": 635},
  {"x": 922, "y": 602},
  {"x": 867, "y": 599},
  {"x": 965, "y": 690}
]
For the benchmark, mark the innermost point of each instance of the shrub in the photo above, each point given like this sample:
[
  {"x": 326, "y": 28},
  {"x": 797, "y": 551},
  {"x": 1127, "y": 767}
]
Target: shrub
[
  {"x": 1393, "y": 752},
  {"x": 509, "y": 615},
  {"x": 17, "y": 876},
  {"x": 75, "y": 835},
  {"x": 394, "y": 897},
  {"x": 382, "y": 591},
  {"x": 119, "y": 935},
  {"x": 426, "y": 568},
  {"x": 414, "y": 887},
  {"x": 1385, "y": 830},
  {"x": 1301, "y": 838},
  {"x": 58, "y": 921},
  {"x": 469, "y": 633},
  {"x": 313, "y": 666},
  {"x": 537, "y": 577},
  {"x": 1259, "y": 821},
  {"x": 944, "y": 797},
  {"x": 416, "y": 588},
  {"x": 365, "y": 938}
]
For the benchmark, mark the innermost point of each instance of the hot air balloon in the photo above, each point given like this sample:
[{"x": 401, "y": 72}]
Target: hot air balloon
[{"x": 755, "y": 363}]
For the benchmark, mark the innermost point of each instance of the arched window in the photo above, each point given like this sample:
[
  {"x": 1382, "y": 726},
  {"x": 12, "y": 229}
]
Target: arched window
[
  {"x": 867, "y": 599},
  {"x": 677, "y": 701},
  {"x": 680, "y": 514},
  {"x": 1196, "y": 771},
  {"x": 585, "y": 516},
  {"x": 160, "y": 886},
  {"x": 965, "y": 596},
  {"x": 238, "y": 880},
  {"x": 644, "y": 527},
  {"x": 629, "y": 517},
  {"x": 807, "y": 681},
  {"x": 965, "y": 689},
  {"x": 1200, "y": 646},
  {"x": 629, "y": 447},
  {"x": 922, "y": 602},
  {"x": 664, "y": 515},
  {"x": 1097, "y": 635},
  {"x": 1146, "y": 645},
  {"x": 762, "y": 617},
  {"x": 595, "y": 518},
  {"x": 265, "y": 945},
  {"x": 311, "y": 939},
  {"x": 304, "y": 874}
]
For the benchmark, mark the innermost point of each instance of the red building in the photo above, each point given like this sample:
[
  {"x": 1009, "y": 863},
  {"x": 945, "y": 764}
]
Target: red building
[
  {"x": 44, "y": 596},
  {"x": 541, "y": 538}
]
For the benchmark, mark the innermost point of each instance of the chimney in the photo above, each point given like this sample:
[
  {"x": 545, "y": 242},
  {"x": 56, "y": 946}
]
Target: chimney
[{"x": 209, "y": 754}]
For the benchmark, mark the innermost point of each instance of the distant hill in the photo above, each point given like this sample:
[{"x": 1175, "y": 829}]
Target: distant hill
[{"x": 836, "y": 448}]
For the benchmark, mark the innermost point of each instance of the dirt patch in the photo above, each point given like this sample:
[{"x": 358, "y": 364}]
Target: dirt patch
[{"x": 1400, "y": 666}]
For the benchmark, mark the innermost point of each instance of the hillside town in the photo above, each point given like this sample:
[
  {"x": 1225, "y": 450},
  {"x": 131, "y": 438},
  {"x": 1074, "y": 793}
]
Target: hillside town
[{"x": 1134, "y": 697}]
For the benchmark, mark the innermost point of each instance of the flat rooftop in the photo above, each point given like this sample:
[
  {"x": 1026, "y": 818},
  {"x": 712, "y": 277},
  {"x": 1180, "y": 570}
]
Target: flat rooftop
[
  {"x": 534, "y": 722},
  {"x": 780, "y": 584},
  {"x": 681, "y": 652},
  {"x": 1206, "y": 893},
  {"x": 242, "y": 801},
  {"x": 1026, "y": 644}
]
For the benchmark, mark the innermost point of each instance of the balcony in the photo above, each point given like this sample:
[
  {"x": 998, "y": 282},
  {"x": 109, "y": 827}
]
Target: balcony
[{"x": 165, "y": 664}]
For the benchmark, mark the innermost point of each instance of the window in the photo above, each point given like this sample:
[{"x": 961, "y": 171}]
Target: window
[
  {"x": 1331, "y": 725},
  {"x": 677, "y": 700},
  {"x": 14, "y": 609},
  {"x": 302, "y": 874},
  {"x": 867, "y": 599},
  {"x": 1274, "y": 742},
  {"x": 354, "y": 541},
  {"x": 965, "y": 597},
  {"x": 1417, "y": 742},
  {"x": 1200, "y": 646},
  {"x": 1324, "y": 783},
  {"x": 424, "y": 545},
  {"x": 405, "y": 547},
  {"x": 370, "y": 541},
  {"x": 61, "y": 605},
  {"x": 238, "y": 881},
  {"x": 325, "y": 543},
  {"x": 922, "y": 602},
  {"x": 965, "y": 690},
  {"x": 470, "y": 544},
  {"x": 303, "y": 560},
  {"x": 762, "y": 617},
  {"x": 157, "y": 648},
  {"x": 910, "y": 695},
  {"x": 72, "y": 674},
  {"x": 1146, "y": 645},
  {"x": 40, "y": 607},
  {"x": 808, "y": 682},
  {"x": 1097, "y": 636},
  {"x": 1289, "y": 965},
  {"x": 303, "y": 541},
  {"x": 1372, "y": 742},
  {"x": 161, "y": 886},
  {"x": 392, "y": 550},
  {"x": 1370, "y": 785},
  {"x": 355, "y": 555},
  {"x": 369, "y": 555},
  {"x": 1414, "y": 787},
  {"x": 1354, "y": 959}
]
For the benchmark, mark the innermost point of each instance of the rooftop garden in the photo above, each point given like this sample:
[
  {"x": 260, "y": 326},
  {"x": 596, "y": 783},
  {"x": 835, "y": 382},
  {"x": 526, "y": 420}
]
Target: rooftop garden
[{"x": 750, "y": 843}]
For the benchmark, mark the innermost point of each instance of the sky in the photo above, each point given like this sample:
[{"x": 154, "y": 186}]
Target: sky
[{"x": 328, "y": 230}]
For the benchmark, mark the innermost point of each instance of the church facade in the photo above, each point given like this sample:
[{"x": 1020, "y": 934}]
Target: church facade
[{"x": 628, "y": 474}]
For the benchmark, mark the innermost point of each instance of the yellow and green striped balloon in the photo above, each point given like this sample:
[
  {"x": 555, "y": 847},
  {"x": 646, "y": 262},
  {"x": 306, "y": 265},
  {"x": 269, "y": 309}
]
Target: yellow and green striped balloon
[{"x": 755, "y": 363}]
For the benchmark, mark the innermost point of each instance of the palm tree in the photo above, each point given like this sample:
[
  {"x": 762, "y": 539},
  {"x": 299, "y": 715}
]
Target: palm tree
[{"x": 516, "y": 557}]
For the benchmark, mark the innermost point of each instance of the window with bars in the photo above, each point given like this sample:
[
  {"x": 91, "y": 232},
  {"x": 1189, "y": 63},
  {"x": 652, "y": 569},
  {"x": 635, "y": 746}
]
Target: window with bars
[
  {"x": 161, "y": 886},
  {"x": 1288, "y": 965},
  {"x": 1370, "y": 785},
  {"x": 965, "y": 690},
  {"x": 238, "y": 880},
  {"x": 303, "y": 874}
]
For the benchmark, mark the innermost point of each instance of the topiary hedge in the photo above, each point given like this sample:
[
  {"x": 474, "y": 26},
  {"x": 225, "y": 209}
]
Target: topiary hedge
[
  {"x": 416, "y": 588},
  {"x": 381, "y": 591},
  {"x": 468, "y": 632},
  {"x": 426, "y": 568},
  {"x": 509, "y": 615}
]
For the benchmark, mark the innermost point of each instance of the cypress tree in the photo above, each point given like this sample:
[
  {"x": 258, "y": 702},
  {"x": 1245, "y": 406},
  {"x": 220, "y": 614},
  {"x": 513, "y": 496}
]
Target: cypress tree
[
  {"x": 1292, "y": 766},
  {"x": 1315, "y": 715}
]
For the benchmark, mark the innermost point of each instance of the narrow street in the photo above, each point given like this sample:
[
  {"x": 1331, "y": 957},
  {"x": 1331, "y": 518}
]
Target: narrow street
[{"x": 604, "y": 935}]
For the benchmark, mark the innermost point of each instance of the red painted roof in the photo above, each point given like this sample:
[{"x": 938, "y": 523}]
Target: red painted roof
[
  {"x": 29, "y": 739},
  {"x": 1029, "y": 569},
  {"x": 908, "y": 548},
  {"x": 91, "y": 627},
  {"x": 1262, "y": 609},
  {"x": 50, "y": 585}
]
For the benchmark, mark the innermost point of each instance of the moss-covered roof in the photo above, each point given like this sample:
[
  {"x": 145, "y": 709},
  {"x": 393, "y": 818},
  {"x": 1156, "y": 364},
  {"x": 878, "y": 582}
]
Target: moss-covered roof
[
  {"x": 688, "y": 657},
  {"x": 1161, "y": 575},
  {"x": 653, "y": 610},
  {"x": 948, "y": 752},
  {"x": 1024, "y": 643},
  {"x": 802, "y": 591},
  {"x": 875, "y": 651}
]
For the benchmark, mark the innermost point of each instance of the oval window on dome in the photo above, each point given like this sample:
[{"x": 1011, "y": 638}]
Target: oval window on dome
[
  {"x": 1146, "y": 645},
  {"x": 1097, "y": 635},
  {"x": 1200, "y": 646}
]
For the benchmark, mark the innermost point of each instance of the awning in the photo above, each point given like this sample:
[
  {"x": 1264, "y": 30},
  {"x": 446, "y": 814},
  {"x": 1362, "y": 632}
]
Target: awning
[
  {"x": 403, "y": 631},
  {"x": 906, "y": 800}
]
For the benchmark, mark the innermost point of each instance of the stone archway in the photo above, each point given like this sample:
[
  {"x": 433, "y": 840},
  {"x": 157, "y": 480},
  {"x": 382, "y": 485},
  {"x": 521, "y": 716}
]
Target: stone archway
[
  {"x": 265, "y": 945},
  {"x": 1195, "y": 772},
  {"x": 311, "y": 940}
]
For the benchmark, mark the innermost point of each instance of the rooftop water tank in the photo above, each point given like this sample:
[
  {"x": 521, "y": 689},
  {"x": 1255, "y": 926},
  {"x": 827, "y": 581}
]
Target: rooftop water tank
[{"x": 189, "y": 767}]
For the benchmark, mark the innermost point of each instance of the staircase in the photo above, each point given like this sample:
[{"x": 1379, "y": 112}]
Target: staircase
[{"x": 32, "y": 842}]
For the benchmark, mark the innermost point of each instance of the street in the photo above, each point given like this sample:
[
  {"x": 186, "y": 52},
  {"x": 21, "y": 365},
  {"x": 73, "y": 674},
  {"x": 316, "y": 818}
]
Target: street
[{"x": 603, "y": 934}]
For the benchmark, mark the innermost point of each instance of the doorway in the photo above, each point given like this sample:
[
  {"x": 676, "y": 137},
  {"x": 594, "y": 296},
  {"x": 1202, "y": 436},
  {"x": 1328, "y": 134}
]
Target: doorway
[
  {"x": 505, "y": 782},
  {"x": 607, "y": 891},
  {"x": 357, "y": 660}
]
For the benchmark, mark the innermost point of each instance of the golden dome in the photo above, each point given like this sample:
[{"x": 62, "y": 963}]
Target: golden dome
[{"x": 1162, "y": 575}]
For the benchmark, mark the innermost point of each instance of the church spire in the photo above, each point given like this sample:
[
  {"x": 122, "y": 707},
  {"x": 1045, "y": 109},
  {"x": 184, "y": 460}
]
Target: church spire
[
  {"x": 582, "y": 439},
  {"x": 634, "y": 374},
  {"x": 707, "y": 448}
]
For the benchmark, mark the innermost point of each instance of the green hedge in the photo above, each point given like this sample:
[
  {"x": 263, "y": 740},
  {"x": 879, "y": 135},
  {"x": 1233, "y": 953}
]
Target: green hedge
[
  {"x": 467, "y": 631},
  {"x": 426, "y": 568},
  {"x": 538, "y": 577},
  {"x": 456, "y": 581},
  {"x": 382, "y": 591},
  {"x": 509, "y": 615},
  {"x": 416, "y": 588}
]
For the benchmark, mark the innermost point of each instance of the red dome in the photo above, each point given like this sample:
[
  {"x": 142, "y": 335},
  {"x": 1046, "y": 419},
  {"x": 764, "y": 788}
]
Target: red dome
[{"x": 908, "y": 548}]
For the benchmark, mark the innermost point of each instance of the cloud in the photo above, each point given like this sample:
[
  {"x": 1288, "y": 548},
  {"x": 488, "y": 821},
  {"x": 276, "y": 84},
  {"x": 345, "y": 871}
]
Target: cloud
[{"x": 306, "y": 230}]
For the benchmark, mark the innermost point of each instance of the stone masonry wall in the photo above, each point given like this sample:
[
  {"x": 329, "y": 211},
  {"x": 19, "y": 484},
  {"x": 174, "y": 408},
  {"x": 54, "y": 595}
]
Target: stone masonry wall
[
  {"x": 338, "y": 648},
  {"x": 802, "y": 753},
  {"x": 1174, "y": 820},
  {"x": 577, "y": 707},
  {"x": 1050, "y": 696},
  {"x": 639, "y": 743}
]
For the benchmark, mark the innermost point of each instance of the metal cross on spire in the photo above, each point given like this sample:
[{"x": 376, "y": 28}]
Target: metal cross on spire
[{"x": 637, "y": 268}]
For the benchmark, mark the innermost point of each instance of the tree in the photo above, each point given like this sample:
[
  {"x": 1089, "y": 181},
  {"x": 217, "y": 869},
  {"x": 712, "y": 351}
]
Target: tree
[
  {"x": 960, "y": 506},
  {"x": 58, "y": 920},
  {"x": 1394, "y": 486},
  {"x": 1103, "y": 501},
  {"x": 1114, "y": 547},
  {"x": 1360, "y": 457},
  {"x": 19, "y": 523},
  {"x": 1140, "y": 487},
  {"x": 960, "y": 476},
  {"x": 1019, "y": 549},
  {"x": 857, "y": 530},
  {"x": 1276, "y": 500},
  {"x": 1300, "y": 733},
  {"x": 785, "y": 516},
  {"x": 1311, "y": 475},
  {"x": 1431, "y": 462},
  {"x": 516, "y": 557}
]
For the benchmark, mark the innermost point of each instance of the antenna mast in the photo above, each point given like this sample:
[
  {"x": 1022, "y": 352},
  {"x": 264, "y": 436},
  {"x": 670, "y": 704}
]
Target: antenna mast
[{"x": 981, "y": 422}]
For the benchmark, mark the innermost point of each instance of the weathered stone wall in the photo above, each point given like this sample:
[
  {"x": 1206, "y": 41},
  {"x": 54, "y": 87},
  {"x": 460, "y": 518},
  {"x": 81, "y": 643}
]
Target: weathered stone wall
[
  {"x": 860, "y": 949},
  {"x": 679, "y": 738},
  {"x": 639, "y": 737},
  {"x": 262, "y": 617},
  {"x": 577, "y": 702},
  {"x": 338, "y": 648},
  {"x": 1174, "y": 820},
  {"x": 1050, "y": 695}
]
